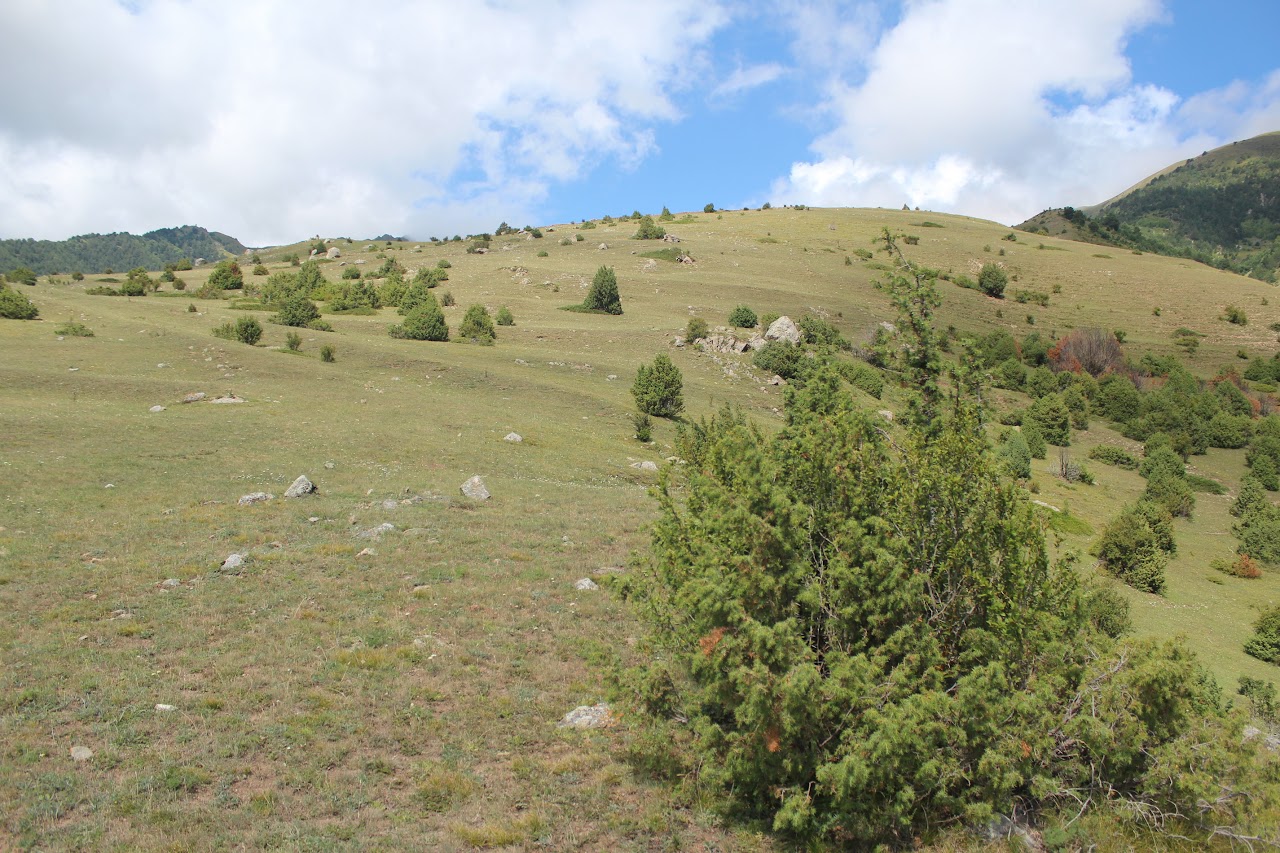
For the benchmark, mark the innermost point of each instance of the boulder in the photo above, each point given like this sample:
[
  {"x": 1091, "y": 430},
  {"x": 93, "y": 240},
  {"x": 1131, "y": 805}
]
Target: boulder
[
  {"x": 81, "y": 753},
  {"x": 475, "y": 489},
  {"x": 333, "y": 254},
  {"x": 155, "y": 409},
  {"x": 255, "y": 497},
  {"x": 234, "y": 561},
  {"x": 603, "y": 246},
  {"x": 301, "y": 486},
  {"x": 646, "y": 465},
  {"x": 586, "y": 584},
  {"x": 588, "y": 717},
  {"x": 194, "y": 397},
  {"x": 376, "y": 532},
  {"x": 783, "y": 329},
  {"x": 513, "y": 437}
]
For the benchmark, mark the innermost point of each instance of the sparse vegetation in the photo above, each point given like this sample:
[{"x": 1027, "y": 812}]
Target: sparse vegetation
[{"x": 659, "y": 388}]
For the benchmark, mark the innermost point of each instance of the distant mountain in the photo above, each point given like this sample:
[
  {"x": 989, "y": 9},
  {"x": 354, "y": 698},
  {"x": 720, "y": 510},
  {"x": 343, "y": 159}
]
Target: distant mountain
[
  {"x": 1221, "y": 208},
  {"x": 95, "y": 253}
]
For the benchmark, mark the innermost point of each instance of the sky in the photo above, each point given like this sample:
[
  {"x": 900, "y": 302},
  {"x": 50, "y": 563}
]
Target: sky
[{"x": 277, "y": 120}]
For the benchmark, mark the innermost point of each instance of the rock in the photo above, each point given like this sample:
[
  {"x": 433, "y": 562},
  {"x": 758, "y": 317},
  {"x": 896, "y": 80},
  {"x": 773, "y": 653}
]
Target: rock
[
  {"x": 391, "y": 504},
  {"x": 234, "y": 561},
  {"x": 329, "y": 466},
  {"x": 230, "y": 398},
  {"x": 646, "y": 465},
  {"x": 155, "y": 409},
  {"x": 376, "y": 532},
  {"x": 162, "y": 708},
  {"x": 333, "y": 254},
  {"x": 777, "y": 380},
  {"x": 522, "y": 362},
  {"x": 588, "y": 717},
  {"x": 171, "y": 583},
  {"x": 255, "y": 497},
  {"x": 475, "y": 489},
  {"x": 161, "y": 366},
  {"x": 81, "y": 753},
  {"x": 757, "y": 342},
  {"x": 194, "y": 397},
  {"x": 313, "y": 519},
  {"x": 513, "y": 437},
  {"x": 586, "y": 584},
  {"x": 301, "y": 486},
  {"x": 783, "y": 329},
  {"x": 886, "y": 414},
  {"x": 367, "y": 552},
  {"x": 603, "y": 246}
]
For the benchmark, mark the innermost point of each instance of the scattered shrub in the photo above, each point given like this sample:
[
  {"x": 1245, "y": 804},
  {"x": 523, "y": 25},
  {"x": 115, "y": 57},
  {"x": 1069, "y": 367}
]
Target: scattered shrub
[
  {"x": 696, "y": 329},
  {"x": 293, "y": 341},
  {"x": 296, "y": 310},
  {"x": 258, "y": 269},
  {"x": 1242, "y": 566},
  {"x": 246, "y": 330},
  {"x": 603, "y": 295},
  {"x": 1016, "y": 455},
  {"x": 644, "y": 427},
  {"x": 226, "y": 276},
  {"x": 649, "y": 230},
  {"x": 992, "y": 280},
  {"x": 425, "y": 322},
  {"x": 780, "y": 358},
  {"x": 1235, "y": 315},
  {"x": 327, "y": 353},
  {"x": 504, "y": 317},
  {"x": 1265, "y": 642},
  {"x": 22, "y": 275},
  {"x": 658, "y": 388},
  {"x": 15, "y": 305},
  {"x": 477, "y": 326},
  {"x": 1131, "y": 551},
  {"x": 446, "y": 299},
  {"x": 351, "y": 272},
  {"x": 862, "y": 376},
  {"x": 742, "y": 317},
  {"x": 1109, "y": 454},
  {"x": 74, "y": 330}
]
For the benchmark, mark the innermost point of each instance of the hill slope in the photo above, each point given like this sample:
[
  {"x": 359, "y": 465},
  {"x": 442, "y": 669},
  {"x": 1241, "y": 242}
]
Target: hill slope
[
  {"x": 94, "y": 253},
  {"x": 405, "y": 684},
  {"x": 1221, "y": 208}
]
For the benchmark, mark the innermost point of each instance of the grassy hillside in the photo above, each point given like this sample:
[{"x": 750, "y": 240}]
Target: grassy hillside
[
  {"x": 97, "y": 253},
  {"x": 1221, "y": 208},
  {"x": 403, "y": 691}
]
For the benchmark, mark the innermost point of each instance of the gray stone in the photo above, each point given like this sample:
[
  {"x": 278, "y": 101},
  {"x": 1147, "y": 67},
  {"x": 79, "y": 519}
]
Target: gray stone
[
  {"x": 329, "y": 466},
  {"x": 646, "y": 465},
  {"x": 301, "y": 486},
  {"x": 255, "y": 497},
  {"x": 783, "y": 329},
  {"x": 886, "y": 414},
  {"x": 234, "y": 561},
  {"x": 155, "y": 409},
  {"x": 513, "y": 437},
  {"x": 376, "y": 532},
  {"x": 171, "y": 583},
  {"x": 585, "y": 584},
  {"x": 163, "y": 708},
  {"x": 391, "y": 504},
  {"x": 777, "y": 380},
  {"x": 333, "y": 254},
  {"x": 81, "y": 753},
  {"x": 588, "y": 717},
  {"x": 230, "y": 398},
  {"x": 603, "y": 246},
  {"x": 475, "y": 489},
  {"x": 194, "y": 397}
]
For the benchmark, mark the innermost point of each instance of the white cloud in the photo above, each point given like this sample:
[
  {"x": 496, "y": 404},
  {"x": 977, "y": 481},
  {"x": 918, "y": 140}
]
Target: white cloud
[
  {"x": 745, "y": 79},
  {"x": 272, "y": 121},
  {"x": 1000, "y": 109}
]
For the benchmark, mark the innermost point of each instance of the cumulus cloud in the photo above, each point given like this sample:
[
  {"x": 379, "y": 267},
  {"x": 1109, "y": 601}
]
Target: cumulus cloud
[
  {"x": 999, "y": 110},
  {"x": 272, "y": 121}
]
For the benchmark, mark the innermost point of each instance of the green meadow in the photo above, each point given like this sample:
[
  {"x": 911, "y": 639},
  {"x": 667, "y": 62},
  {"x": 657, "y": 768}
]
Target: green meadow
[{"x": 402, "y": 690}]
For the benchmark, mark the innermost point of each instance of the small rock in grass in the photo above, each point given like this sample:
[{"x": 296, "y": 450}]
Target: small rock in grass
[
  {"x": 475, "y": 489},
  {"x": 645, "y": 466},
  {"x": 194, "y": 397},
  {"x": 255, "y": 497},
  {"x": 171, "y": 583},
  {"x": 586, "y": 584},
  {"x": 376, "y": 532},
  {"x": 301, "y": 486},
  {"x": 513, "y": 437},
  {"x": 588, "y": 717},
  {"x": 81, "y": 753},
  {"x": 155, "y": 409},
  {"x": 391, "y": 504},
  {"x": 329, "y": 466},
  {"x": 162, "y": 708},
  {"x": 367, "y": 552},
  {"x": 234, "y": 561}
]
